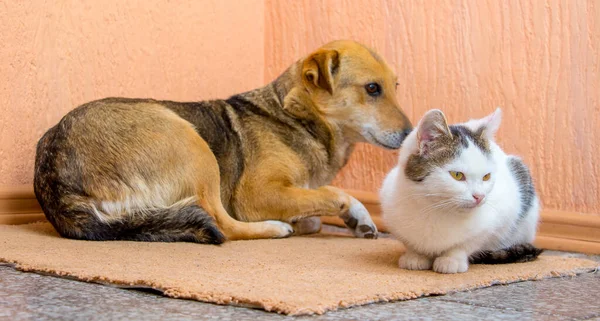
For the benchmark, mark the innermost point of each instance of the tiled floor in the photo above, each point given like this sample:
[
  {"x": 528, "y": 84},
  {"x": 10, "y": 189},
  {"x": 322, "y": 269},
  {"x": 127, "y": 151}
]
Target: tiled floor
[{"x": 28, "y": 296}]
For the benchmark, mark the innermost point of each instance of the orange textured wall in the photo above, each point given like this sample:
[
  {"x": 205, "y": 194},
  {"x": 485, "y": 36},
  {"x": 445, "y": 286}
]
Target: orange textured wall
[
  {"x": 55, "y": 55},
  {"x": 539, "y": 60}
]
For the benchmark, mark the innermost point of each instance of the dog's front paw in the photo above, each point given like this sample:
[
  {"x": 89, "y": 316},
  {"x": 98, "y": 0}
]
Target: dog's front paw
[
  {"x": 414, "y": 261},
  {"x": 367, "y": 231},
  {"x": 279, "y": 229},
  {"x": 358, "y": 220},
  {"x": 450, "y": 265}
]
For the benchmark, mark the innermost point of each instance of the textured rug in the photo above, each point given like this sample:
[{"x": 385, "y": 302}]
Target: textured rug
[{"x": 298, "y": 275}]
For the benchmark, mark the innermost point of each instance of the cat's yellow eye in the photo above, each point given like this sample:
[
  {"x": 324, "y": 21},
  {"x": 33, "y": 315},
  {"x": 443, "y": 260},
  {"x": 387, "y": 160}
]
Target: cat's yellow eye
[
  {"x": 487, "y": 177},
  {"x": 459, "y": 176}
]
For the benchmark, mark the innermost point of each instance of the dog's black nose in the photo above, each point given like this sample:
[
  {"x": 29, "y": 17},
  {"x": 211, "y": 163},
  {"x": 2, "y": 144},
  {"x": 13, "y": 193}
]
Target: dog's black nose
[{"x": 404, "y": 134}]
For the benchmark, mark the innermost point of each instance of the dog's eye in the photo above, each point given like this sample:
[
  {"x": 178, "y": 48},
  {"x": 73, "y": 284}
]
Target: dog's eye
[{"x": 373, "y": 89}]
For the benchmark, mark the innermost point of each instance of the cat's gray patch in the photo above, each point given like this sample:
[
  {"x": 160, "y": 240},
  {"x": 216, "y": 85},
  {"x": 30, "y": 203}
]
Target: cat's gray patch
[
  {"x": 523, "y": 177},
  {"x": 443, "y": 150},
  {"x": 465, "y": 135}
]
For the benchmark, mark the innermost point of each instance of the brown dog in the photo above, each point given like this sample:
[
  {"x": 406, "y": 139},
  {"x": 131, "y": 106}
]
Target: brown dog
[{"x": 241, "y": 168}]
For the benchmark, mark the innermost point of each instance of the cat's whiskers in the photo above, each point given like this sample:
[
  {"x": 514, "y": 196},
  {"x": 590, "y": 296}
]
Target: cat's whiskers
[
  {"x": 448, "y": 203},
  {"x": 424, "y": 197},
  {"x": 418, "y": 195}
]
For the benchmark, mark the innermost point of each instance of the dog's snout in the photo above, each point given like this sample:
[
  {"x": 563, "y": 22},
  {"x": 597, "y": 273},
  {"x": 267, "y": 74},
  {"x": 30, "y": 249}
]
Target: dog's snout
[{"x": 390, "y": 140}]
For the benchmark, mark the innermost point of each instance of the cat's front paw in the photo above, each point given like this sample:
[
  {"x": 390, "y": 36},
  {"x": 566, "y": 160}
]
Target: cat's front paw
[
  {"x": 450, "y": 265},
  {"x": 414, "y": 261}
]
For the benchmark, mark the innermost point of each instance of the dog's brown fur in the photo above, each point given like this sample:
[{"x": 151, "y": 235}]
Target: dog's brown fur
[{"x": 141, "y": 169}]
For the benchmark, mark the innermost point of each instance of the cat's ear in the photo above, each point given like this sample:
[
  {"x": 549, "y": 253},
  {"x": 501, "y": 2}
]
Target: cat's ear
[
  {"x": 490, "y": 124},
  {"x": 432, "y": 126}
]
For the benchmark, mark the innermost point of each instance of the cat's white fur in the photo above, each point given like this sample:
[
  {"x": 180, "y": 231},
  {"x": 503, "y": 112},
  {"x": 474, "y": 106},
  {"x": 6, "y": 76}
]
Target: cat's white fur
[{"x": 437, "y": 219}]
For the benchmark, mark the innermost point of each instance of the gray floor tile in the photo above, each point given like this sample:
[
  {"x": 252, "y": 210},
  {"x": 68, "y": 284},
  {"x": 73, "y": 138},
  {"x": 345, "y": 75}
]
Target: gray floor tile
[
  {"x": 430, "y": 309},
  {"x": 28, "y": 296},
  {"x": 571, "y": 297},
  {"x": 575, "y": 255}
]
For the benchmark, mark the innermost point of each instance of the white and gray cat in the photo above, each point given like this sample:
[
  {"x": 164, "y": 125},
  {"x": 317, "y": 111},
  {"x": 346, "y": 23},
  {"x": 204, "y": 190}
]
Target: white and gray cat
[{"x": 455, "y": 197}]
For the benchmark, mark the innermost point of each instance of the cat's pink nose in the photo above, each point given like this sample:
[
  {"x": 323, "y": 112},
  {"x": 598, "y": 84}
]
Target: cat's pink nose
[{"x": 478, "y": 198}]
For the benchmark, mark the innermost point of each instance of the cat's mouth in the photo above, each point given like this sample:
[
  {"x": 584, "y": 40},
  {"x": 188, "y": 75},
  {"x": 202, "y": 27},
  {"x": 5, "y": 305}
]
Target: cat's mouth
[{"x": 472, "y": 205}]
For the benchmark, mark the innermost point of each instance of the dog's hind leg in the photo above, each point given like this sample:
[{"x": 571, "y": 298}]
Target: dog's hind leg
[
  {"x": 238, "y": 230},
  {"x": 209, "y": 198}
]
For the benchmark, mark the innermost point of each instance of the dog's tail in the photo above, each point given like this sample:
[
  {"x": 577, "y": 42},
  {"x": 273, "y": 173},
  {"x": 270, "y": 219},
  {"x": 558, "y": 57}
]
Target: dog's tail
[
  {"x": 515, "y": 254},
  {"x": 185, "y": 223}
]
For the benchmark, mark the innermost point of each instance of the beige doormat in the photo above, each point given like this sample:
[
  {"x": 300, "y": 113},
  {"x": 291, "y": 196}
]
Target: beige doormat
[{"x": 298, "y": 275}]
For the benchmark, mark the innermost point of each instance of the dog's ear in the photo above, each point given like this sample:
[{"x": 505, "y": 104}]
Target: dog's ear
[{"x": 318, "y": 69}]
